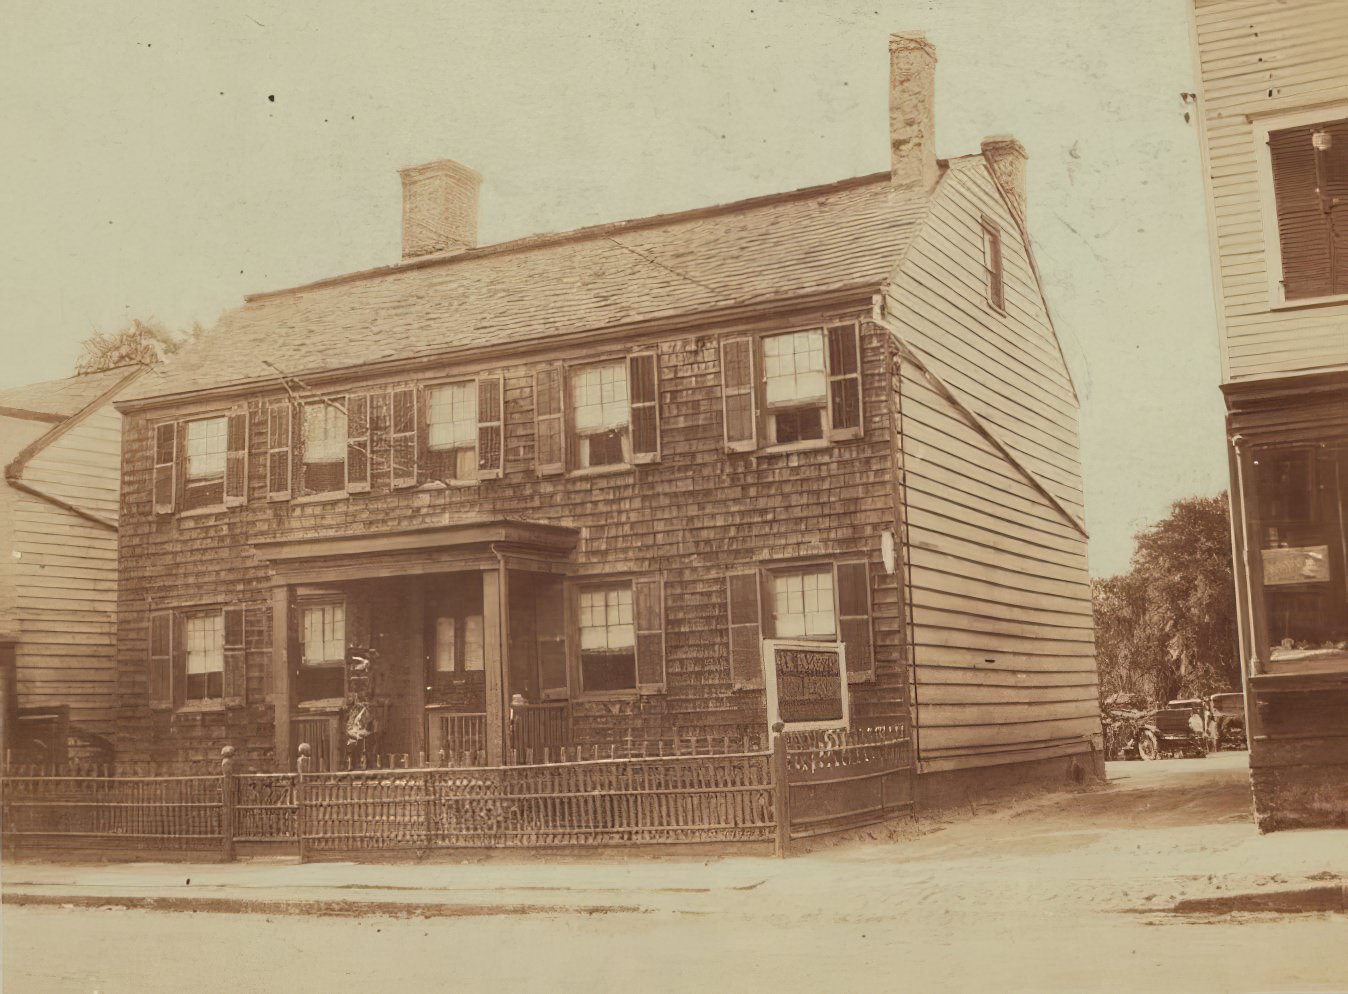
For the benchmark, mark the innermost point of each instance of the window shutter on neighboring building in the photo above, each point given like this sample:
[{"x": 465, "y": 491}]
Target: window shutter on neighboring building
[
  {"x": 490, "y": 427},
  {"x": 403, "y": 437},
  {"x": 358, "y": 443},
  {"x": 644, "y": 396},
  {"x": 165, "y": 467},
  {"x": 236, "y": 675},
  {"x": 737, "y": 394},
  {"x": 178, "y": 679},
  {"x": 279, "y": 418},
  {"x": 854, "y": 619},
  {"x": 1312, "y": 232},
  {"x": 746, "y": 630},
  {"x": 549, "y": 427},
  {"x": 161, "y": 659},
  {"x": 649, "y": 614},
  {"x": 236, "y": 458},
  {"x": 550, "y": 627},
  {"x": 844, "y": 382}
]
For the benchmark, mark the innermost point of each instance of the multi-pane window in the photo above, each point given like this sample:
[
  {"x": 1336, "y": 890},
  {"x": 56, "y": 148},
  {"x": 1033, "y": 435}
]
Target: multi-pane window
[
  {"x": 451, "y": 429},
  {"x": 601, "y": 412},
  {"x": 795, "y": 385},
  {"x": 324, "y": 448},
  {"x": 206, "y": 444},
  {"x": 205, "y": 656},
  {"x": 459, "y": 643},
  {"x": 802, "y": 604},
  {"x": 1309, "y": 165},
  {"x": 322, "y": 651},
  {"x": 607, "y": 638}
]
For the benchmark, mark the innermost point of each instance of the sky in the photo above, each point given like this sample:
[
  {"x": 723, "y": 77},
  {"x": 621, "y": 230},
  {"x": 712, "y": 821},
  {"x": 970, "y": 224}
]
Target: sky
[{"x": 163, "y": 159}]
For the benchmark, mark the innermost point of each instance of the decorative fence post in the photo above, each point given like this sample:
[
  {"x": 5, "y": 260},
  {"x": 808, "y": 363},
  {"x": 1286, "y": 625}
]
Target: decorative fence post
[
  {"x": 227, "y": 802},
  {"x": 301, "y": 768},
  {"x": 781, "y": 790}
]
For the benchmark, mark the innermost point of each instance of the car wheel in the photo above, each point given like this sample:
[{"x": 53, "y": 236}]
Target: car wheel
[{"x": 1147, "y": 746}]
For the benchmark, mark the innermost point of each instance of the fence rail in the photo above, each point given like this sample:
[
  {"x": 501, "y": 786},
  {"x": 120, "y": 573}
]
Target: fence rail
[{"x": 711, "y": 791}]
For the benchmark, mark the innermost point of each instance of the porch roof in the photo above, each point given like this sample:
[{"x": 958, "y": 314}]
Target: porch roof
[{"x": 412, "y": 546}]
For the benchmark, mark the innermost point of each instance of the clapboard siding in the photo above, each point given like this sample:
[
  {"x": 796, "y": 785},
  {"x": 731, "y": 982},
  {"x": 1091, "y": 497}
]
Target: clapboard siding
[
  {"x": 1258, "y": 58},
  {"x": 1003, "y": 640},
  {"x": 1007, "y": 368},
  {"x": 82, "y": 466}
]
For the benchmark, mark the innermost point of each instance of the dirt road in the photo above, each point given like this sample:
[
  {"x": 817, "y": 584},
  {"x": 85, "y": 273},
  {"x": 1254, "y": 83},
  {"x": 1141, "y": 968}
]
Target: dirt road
[{"x": 1067, "y": 893}]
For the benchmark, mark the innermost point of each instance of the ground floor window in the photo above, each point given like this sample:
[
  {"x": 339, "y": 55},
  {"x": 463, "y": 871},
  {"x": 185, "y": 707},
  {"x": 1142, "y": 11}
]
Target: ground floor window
[
  {"x": 802, "y": 603},
  {"x": 205, "y": 651},
  {"x": 1299, "y": 505},
  {"x": 607, "y": 638},
  {"x": 322, "y": 651}
]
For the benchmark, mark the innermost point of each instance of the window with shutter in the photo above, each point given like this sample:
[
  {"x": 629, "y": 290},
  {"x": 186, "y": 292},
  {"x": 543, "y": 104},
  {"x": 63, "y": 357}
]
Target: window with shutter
[
  {"x": 550, "y": 622},
  {"x": 854, "y": 620},
  {"x": 161, "y": 659},
  {"x": 643, "y": 379},
  {"x": 737, "y": 394},
  {"x": 607, "y": 631},
  {"x": 236, "y": 458},
  {"x": 600, "y": 415},
  {"x": 1309, "y": 165},
  {"x": 358, "y": 444},
  {"x": 323, "y": 467},
  {"x": 746, "y": 634},
  {"x": 236, "y": 675},
  {"x": 549, "y": 431},
  {"x": 451, "y": 425},
  {"x": 204, "y": 652},
  {"x": 403, "y": 437},
  {"x": 490, "y": 427},
  {"x": 844, "y": 382},
  {"x": 206, "y": 451},
  {"x": 648, "y": 595},
  {"x": 165, "y": 466},
  {"x": 795, "y": 386},
  {"x": 278, "y": 452}
]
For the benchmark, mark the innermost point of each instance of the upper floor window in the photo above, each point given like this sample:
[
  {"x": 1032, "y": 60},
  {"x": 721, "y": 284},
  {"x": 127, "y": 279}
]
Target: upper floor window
[
  {"x": 201, "y": 462},
  {"x": 452, "y": 430},
  {"x": 205, "y": 632},
  {"x": 993, "y": 270},
  {"x": 797, "y": 386},
  {"x": 206, "y": 448},
  {"x": 324, "y": 465},
  {"x": 1307, "y": 169},
  {"x": 601, "y": 416}
]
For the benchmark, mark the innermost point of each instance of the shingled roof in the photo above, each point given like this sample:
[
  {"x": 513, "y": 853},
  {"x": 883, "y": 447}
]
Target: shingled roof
[
  {"x": 56, "y": 400},
  {"x": 846, "y": 234}
]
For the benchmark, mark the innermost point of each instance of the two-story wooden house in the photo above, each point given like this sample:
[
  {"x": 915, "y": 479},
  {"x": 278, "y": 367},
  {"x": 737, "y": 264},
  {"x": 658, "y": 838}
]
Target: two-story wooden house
[
  {"x": 566, "y": 489},
  {"x": 58, "y": 565},
  {"x": 1274, "y": 117}
]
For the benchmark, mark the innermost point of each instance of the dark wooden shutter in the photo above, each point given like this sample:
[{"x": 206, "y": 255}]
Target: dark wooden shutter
[
  {"x": 737, "y": 394},
  {"x": 178, "y": 666},
  {"x": 358, "y": 443},
  {"x": 644, "y": 394},
  {"x": 1304, "y": 231},
  {"x": 490, "y": 427},
  {"x": 279, "y": 418},
  {"x": 236, "y": 458},
  {"x": 236, "y": 675},
  {"x": 844, "y": 382},
  {"x": 549, "y": 427},
  {"x": 165, "y": 467},
  {"x": 746, "y": 630},
  {"x": 649, "y": 611},
  {"x": 854, "y": 620},
  {"x": 403, "y": 437},
  {"x": 161, "y": 659},
  {"x": 550, "y": 622}
]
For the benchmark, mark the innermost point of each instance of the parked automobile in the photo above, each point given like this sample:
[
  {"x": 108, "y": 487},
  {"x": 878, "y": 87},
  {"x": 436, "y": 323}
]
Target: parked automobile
[{"x": 1228, "y": 711}]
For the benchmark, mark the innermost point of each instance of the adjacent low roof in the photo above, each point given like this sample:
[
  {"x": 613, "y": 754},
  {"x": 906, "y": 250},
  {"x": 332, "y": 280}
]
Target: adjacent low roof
[
  {"x": 56, "y": 400},
  {"x": 846, "y": 234}
]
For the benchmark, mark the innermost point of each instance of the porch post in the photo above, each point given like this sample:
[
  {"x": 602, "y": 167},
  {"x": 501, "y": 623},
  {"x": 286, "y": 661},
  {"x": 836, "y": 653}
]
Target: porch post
[
  {"x": 494, "y": 662},
  {"x": 280, "y": 671}
]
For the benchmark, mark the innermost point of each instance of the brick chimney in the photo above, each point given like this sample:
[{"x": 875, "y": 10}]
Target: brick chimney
[
  {"x": 1006, "y": 158},
  {"x": 439, "y": 208},
  {"x": 912, "y": 119}
]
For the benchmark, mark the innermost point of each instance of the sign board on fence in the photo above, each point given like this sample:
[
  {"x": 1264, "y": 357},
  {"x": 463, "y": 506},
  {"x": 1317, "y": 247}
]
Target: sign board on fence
[
  {"x": 806, "y": 683},
  {"x": 1308, "y": 565}
]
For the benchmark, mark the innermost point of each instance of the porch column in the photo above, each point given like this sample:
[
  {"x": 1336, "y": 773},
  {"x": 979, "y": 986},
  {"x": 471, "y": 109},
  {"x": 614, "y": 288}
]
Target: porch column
[
  {"x": 280, "y": 673},
  {"x": 495, "y": 625}
]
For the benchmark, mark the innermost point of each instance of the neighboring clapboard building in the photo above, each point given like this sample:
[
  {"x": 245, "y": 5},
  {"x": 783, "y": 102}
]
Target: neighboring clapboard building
[
  {"x": 1274, "y": 113},
  {"x": 60, "y": 442},
  {"x": 560, "y": 490}
]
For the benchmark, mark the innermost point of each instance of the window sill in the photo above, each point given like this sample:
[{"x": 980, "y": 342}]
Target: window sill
[
  {"x": 1305, "y": 302},
  {"x": 447, "y": 485},
  {"x": 809, "y": 445},
  {"x": 328, "y": 498},
  {"x": 200, "y": 512},
  {"x": 609, "y": 695},
  {"x": 324, "y": 704},
  {"x": 200, "y": 707},
  {"x": 622, "y": 467}
]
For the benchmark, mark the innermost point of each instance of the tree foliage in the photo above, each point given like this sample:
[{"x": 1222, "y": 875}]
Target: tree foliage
[
  {"x": 139, "y": 343},
  {"x": 1166, "y": 629}
]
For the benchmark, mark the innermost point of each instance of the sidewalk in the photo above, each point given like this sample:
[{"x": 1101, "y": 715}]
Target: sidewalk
[{"x": 1173, "y": 836}]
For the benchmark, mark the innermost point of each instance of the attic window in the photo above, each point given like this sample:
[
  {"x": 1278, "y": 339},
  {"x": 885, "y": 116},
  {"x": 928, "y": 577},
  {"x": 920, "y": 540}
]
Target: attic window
[{"x": 992, "y": 265}]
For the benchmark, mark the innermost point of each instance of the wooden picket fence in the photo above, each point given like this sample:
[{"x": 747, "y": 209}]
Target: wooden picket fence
[{"x": 715, "y": 792}]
